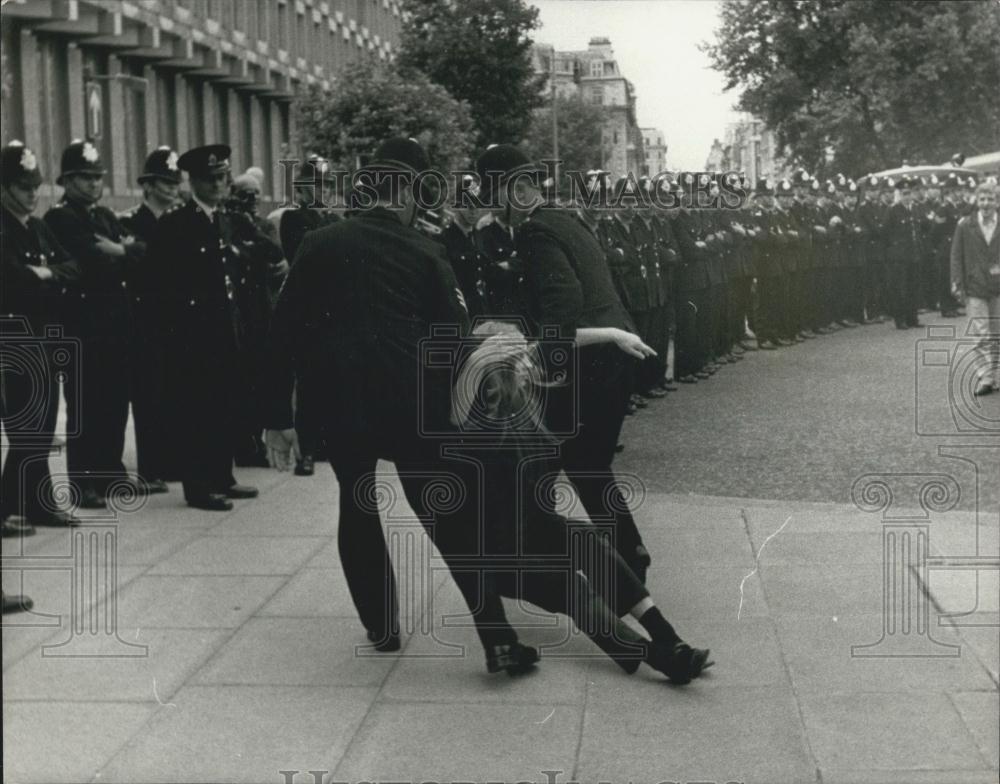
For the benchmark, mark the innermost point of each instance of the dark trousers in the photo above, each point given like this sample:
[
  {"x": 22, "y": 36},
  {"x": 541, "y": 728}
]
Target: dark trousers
[
  {"x": 456, "y": 531},
  {"x": 690, "y": 349},
  {"x": 653, "y": 370},
  {"x": 29, "y": 405},
  {"x": 720, "y": 320},
  {"x": 97, "y": 400},
  {"x": 904, "y": 295},
  {"x": 587, "y": 455},
  {"x": 946, "y": 299},
  {"x": 875, "y": 288},
  {"x": 203, "y": 422},
  {"x": 152, "y": 436}
]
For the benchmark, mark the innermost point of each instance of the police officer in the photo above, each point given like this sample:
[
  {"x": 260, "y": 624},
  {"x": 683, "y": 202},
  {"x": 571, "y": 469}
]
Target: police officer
[
  {"x": 902, "y": 227},
  {"x": 198, "y": 273},
  {"x": 160, "y": 181},
  {"x": 358, "y": 305},
  {"x": 459, "y": 240},
  {"x": 310, "y": 211},
  {"x": 98, "y": 385},
  {"x": 570, "y": 290},
  {"x": 37, "y": 272}
]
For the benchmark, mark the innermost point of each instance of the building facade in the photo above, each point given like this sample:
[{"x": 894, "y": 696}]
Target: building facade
[
  {"x": 135, "y": 74},
  {"x": 593, "y": 74},
  {"x": 752, "y": 148},
  {"x": 655, "y": 148}
]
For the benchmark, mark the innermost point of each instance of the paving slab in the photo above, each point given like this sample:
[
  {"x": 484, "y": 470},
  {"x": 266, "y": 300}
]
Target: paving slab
[
  {"x": 819, "y": 658},
  {"x": 199, "y": 601},
  {"x": 223, "y": 555},
  {"x": 881, "y": 731},
  {"x": 49, "y": 742},
  {"x": 460, "y": 742},
  {"x": 979, "y": 711},
  {"x": 98, "y": 670},
  {"x": 297, "y": 652},
  {"x": 642, "y": 729},
  {"x": 246, "y": 734}
]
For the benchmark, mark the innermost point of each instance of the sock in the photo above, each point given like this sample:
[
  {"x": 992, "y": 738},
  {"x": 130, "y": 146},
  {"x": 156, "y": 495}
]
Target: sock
[{"x": 659, "y": 628}]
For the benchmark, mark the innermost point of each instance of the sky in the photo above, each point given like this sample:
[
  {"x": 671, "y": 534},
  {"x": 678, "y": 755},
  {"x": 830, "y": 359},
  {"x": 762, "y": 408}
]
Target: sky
[{"x": 656, "y": 45}]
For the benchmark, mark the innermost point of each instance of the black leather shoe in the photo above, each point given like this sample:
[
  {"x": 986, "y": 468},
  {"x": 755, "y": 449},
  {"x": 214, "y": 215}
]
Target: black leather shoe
[
  {"x": 688, "y": 379},
  {"x": 210, "y": 502},
  {"x": 306, "y": 466},
  {"x": 654, "y": 393},
  {"x": 241, "y": 491},
  {"x": 52, "y": 520},
  {"x": 14, "y": 604},
  {"x": 91, "y": 499},
  {"x": 619, "y": 447},
  {"x": 702, "y": 375},
  {"x": 12, "y": 528},
  {"x": 384, "y": 643},
  {"x": 681, "y": 663},
  {"x": 668, "y": 386},
  {"x": 516, "y": 659}
]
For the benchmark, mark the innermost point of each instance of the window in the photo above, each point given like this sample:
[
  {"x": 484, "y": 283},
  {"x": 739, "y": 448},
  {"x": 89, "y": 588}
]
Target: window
[
  {"x": 597, "y": 95},
  {"x": 597, "y": 68}
]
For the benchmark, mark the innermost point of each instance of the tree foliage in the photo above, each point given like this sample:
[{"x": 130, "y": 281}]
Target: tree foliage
[
  {"x": 368, "y": 106},
  {"x": 580, "y": 134},
  {"x": 480, "y": 51},
  {"x": 876, "y": 82}
]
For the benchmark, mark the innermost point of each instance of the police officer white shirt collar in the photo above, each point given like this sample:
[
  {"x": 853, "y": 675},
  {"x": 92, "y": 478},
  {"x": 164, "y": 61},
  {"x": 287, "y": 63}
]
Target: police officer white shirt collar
[{"x": 209, "y": 211}]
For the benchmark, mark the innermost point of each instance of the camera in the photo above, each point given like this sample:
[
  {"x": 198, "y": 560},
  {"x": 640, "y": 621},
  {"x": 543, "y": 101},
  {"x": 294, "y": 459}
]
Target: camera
[
  {"x": 499, "y": 379},
  {"x": 39, "y": 362},
  {"x": 948, "y": 368}
]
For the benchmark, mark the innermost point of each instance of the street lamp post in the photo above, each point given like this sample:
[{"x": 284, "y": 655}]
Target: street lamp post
[{"x": 555, "y": 130}]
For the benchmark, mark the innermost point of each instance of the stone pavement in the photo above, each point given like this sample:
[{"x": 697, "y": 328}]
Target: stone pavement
[{"x": 249, "y": 662}]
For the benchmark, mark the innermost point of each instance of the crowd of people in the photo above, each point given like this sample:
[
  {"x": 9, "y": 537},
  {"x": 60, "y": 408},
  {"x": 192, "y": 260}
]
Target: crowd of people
[{"x": 313, "y": 334}]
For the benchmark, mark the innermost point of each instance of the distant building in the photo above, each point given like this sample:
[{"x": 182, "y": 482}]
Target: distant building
[
  {"x": 655, "y": 149},
  {"x": 177, "y": 72},
  {"x": 716, "y": 156},
  {"x": 593, "y": 74},
  {"x": 751, "y": 147}
]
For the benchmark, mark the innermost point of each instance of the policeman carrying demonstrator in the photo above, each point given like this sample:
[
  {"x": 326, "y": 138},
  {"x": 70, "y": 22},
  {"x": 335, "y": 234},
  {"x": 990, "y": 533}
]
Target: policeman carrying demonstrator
[{"x": 197, "y": 272}]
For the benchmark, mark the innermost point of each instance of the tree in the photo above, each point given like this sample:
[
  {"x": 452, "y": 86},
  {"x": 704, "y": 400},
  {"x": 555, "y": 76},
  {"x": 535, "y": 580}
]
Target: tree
[
  {"x": 368, "y": 106},
  {"x": 581, "y": 143},
  {"x": 480, "y": 51},
  {"x": 873, "y": 82}
]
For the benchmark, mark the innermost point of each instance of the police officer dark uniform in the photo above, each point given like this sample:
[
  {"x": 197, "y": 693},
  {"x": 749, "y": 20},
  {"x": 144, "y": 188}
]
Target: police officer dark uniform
[
  {"x": 570, "y": 289},
  {"x": 160, "y": 181},
  {"x": 467, "y": 262},
  {"x": 901, "y": 238},
  {"x": 197, "y": 272},
  {"x": 308, "y": 213},
  {"x": 36, "y": 274},
  {"x": 98, "y": 385},
  {"x": 356, "y": 308}
]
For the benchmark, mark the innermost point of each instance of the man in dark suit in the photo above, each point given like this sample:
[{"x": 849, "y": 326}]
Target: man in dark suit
[
  {"x": 98, "y": 385},
  {"x": 37, "y": 274},
  {"x": 358, "y": 304},
  {"x": 198, "y": 275},
  {"x": 975, "y": 275},
  {"x": 160, "y": 181},
  {"x": 901, "y": 241}
]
